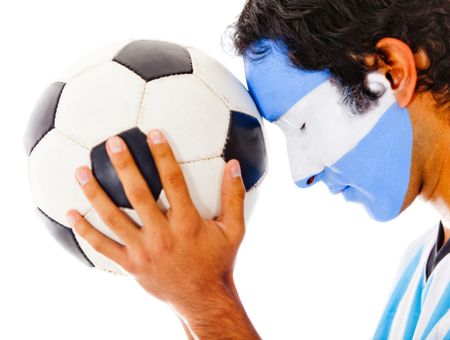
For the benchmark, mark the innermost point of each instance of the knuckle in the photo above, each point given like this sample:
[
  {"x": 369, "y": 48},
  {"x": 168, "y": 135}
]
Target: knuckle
[
  {"x": 240, "y": 193},
  {"x": 161, "y": 151},
  {"x": 174, "y": 177},
  {"x": 240, "y": 234},
  {"x": 139, "y": 262},
  {"x": 237, "y": 234},
  {"x": 112, "y": 218},
  {"x": 122, "y": 162},
  {"x": 91, "y": 191},
  {"x": 145, "y": 260},
  {"x": 190, "y": 229},
  {"x": 189, "y": 223},
  {"x": 237, "y": 199},
  {"x": 81, "y": 229},
  {"x": 185, "y": 201},
  {"x": 163, "y": 246},
  {"x": 97, "y": 244},
  {"x": 139, "y": 194},
  {"x": 94, "y": 241},
  {"x": 131, "y": 267}
]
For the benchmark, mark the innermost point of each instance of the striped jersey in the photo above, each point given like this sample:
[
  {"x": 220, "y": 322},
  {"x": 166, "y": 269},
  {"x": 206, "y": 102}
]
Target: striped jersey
[{"x": 419, "y": 306}]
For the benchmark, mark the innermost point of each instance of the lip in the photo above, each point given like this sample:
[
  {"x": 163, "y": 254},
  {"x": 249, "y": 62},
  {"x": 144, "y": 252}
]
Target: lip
[{"x": 337, "y": 190}]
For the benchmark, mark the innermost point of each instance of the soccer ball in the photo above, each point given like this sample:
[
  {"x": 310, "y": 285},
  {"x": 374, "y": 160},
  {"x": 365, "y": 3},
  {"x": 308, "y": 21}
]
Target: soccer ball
[{"x": 128, "y": 89}]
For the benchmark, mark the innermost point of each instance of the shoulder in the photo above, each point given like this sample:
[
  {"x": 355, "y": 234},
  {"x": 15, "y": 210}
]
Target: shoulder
[
  {"x": 417, "y": 252},
  {"x": 435, "y": 307},
  {"x": 434, "y": 322}
]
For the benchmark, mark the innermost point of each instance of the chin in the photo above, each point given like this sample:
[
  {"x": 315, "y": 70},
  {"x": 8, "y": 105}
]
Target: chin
[{"x": 380, "y": 212}]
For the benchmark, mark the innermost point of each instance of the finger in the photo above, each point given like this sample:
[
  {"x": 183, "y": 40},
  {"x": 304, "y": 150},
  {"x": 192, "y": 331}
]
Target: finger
[
  {"x": 233, "y": 197},
  {"x": 133, "y": 182},
  {"x": 170, "y": 173},
  {"x": 114, "y": 218},
  {"x": 96, "y": 239}
]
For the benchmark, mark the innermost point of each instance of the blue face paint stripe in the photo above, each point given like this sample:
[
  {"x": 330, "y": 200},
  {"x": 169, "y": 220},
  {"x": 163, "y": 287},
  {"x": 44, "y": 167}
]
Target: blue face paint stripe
[
  {"x": 377, "y": 170},
  {"x": 414, "y": 312},
  {"x": 442, "y": 307},
  {"x": 274, "y": 82},
  {"x": 384, "y": 327}
]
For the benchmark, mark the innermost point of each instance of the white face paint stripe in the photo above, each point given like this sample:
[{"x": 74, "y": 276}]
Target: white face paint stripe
[{"x": 330, "y": 130}]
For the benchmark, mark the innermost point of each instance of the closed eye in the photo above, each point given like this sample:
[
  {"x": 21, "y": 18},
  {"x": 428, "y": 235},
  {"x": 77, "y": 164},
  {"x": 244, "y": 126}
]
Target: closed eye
[{"x": 303, "y": 126}]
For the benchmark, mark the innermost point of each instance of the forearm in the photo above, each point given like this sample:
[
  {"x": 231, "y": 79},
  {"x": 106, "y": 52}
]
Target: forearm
[
  {"x": 186, "y": 329},
  {"x": 218, "y": 315}
]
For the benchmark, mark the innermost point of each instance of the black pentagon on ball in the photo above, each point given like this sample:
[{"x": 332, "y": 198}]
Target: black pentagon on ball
[
  {"x": 106, "y": 174},
  {"x": 152, "y": 59},
  {"x": 42, "y": 119},
  {"x": 65, "y": 237},
  {"x": 245, "y": 142}
]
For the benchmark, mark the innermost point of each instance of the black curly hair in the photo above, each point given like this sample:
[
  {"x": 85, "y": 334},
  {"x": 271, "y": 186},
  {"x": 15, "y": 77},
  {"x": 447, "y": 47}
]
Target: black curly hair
[{"x": 337, "y": 35}]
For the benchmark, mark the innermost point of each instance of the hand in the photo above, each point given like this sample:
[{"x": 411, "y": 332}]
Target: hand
[{"x": 178, "y": 257}]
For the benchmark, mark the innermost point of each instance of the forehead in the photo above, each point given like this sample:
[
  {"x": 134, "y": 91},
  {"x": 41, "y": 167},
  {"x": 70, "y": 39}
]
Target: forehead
[{"x": 274, "y": 82}]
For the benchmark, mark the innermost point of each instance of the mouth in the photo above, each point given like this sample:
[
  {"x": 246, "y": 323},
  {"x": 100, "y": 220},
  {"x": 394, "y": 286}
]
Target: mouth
[{"x": 337, "y": 190}]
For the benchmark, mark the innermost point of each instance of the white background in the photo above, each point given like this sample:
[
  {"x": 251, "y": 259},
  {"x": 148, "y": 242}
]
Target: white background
[{"x": 312, "y": 266}]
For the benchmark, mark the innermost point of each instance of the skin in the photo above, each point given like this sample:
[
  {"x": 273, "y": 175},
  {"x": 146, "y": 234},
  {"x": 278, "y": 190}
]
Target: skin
[
  {"x": 180, "y": 246},
  {"x": 430, "y": 168}
]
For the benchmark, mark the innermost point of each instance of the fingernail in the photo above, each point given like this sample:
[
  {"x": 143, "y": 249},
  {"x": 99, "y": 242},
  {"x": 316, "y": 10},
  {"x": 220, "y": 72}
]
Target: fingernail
[
  {"x": 71, "y": 219},
  {"x": 116, "y": 145},
  {"x": 235, "y": 170},
  {"x": 83, "y": 176},
  {"x": 156, "y": 137}
]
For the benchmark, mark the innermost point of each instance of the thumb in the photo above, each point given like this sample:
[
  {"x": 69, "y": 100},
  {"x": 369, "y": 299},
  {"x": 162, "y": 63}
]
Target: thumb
[{"x": 233, "y": 196}]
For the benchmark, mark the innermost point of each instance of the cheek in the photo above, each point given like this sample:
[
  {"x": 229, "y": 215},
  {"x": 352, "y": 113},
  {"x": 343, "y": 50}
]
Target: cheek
[{"x": 378, "y": 168}]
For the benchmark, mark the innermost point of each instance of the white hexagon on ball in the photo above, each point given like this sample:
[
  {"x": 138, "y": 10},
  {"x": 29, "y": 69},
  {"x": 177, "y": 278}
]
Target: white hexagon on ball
[
  {"x": 193, "y": 117},
  {"x": 99, "y": 104}
]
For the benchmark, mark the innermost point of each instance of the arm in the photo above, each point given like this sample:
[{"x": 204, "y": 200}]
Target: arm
[
  {"x": 219, "y": 315},
  {"x": 178, "y": 257},
  {"x": 186, "y": 329}
]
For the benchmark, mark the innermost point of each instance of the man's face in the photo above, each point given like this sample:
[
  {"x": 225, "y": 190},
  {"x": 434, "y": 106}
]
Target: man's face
[{"x": 366, "y": 157}]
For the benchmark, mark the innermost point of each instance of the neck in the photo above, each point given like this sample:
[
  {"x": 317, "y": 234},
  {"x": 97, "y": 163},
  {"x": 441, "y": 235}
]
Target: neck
[
  {"x": 440, "y": 196},
  {"x": 434, "y": 142}
]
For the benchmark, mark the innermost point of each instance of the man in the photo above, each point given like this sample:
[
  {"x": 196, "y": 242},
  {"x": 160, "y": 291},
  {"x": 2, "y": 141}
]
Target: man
[{"x": 361, "y": 90}]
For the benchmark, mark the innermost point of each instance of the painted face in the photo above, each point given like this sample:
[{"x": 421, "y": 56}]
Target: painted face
[{"x": 366, "y": 157}]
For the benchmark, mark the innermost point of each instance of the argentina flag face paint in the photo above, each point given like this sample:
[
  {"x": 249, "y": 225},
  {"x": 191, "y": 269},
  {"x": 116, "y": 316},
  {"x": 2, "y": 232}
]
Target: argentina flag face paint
[{"x": 366, "y": 157}]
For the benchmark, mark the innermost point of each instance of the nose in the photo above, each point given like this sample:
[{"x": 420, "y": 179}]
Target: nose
[{"x": 308, "y": 181}]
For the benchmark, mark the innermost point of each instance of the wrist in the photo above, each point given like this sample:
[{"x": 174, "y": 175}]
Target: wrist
[
  {"x": 203, "y": 299},
  {"x": 217, "y": 311}
]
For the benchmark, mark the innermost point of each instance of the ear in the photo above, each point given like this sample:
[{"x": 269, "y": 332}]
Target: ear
[{"x": 399, "y": 66}]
